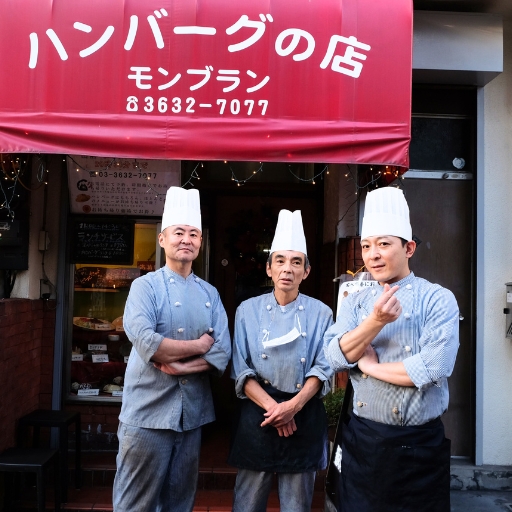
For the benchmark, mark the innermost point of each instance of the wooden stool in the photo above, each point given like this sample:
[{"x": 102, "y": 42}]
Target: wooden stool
[
  {"x": 33, "y": 460},
  {"x": 61, "y": 420}
]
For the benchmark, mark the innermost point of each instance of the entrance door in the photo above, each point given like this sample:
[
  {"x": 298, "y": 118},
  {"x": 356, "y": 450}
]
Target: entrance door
[
  {"x": 442, "y": 218},
  {"x": 242, "y": 227}
]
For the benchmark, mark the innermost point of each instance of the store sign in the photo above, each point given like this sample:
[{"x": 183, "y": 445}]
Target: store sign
[
  {"x": 272, "y": 80},
  {"x": 108, "y": 186}
]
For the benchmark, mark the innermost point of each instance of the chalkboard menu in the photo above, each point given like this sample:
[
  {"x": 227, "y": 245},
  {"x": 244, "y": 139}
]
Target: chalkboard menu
[{"x": 102, "y": 241}]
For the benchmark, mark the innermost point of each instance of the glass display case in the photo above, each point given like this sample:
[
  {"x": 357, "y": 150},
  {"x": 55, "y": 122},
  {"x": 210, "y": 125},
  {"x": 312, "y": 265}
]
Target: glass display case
[{"x": 98, "y": 347}]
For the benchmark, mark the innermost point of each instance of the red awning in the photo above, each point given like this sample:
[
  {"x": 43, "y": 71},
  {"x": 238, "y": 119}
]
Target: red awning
[{"x": 266, "y": 80}]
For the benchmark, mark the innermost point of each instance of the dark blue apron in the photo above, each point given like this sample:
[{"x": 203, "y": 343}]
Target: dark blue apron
[
  {"x": 387, "y": 468},
  {"x": 261, "y": 449}
]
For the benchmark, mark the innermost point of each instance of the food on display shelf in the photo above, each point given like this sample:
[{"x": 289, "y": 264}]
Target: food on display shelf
[
  {"x": 118, "y": 324},
  {"x": 118, "y": 380},
  {"x": 110, "y": 388},
  {"x": 92, "y": 324}
]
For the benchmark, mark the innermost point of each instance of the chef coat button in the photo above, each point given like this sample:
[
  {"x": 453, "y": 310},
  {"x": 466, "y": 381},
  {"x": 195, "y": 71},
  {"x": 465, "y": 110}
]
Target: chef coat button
[
  {"x": 197, "y": 279},
  {"x": 207, "y": 304},
  {"x": 181, "y": 329},
  {"x": 374, "y": 292},
  {"x": 301, "y": 307},
  {"x": 407, "y": 348},
  {"x": 364, "y": 317},
  {"x": 264, "y": 356},
  {"x": 264, "y": 331},
  {"x": 359, "y": 404},
  {"x": 210, "y": 329},
  {"x": 171, "y": 280},
  {"x": 304, "y": 334},
  {"x": 408, "y": 286},
  {"x": 266, "y": 381},
  {"x": 299, "y": 386},
  {"x": 407, "y": 315},
  {"x": 395, "y": 410},
  {"x": 269, "y": 307},
  {"x": 177, "y": 304},
  {"x": 184, "y": 381},
  {"x": 364, "y": 376},
  {"x": 302, "y": 359}
]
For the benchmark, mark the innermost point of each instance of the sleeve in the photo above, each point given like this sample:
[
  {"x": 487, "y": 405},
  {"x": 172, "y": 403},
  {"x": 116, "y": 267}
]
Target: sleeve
[
  {"x": 242, "y": 369},
  {"x": 439, "y": 341},
  {"x": 220, "y": 352},
  {"x": 140, "y": 319},
  {"x": 346, "y": 321},
  {"x": 320, "y": 367}
]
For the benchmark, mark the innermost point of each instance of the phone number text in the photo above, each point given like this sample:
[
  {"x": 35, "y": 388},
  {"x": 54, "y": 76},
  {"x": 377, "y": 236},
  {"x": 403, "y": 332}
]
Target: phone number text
[{"x": 190, "y": 105}]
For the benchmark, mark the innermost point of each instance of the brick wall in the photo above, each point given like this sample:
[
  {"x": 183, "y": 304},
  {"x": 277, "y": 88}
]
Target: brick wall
[{"x": 27, "y": 330}]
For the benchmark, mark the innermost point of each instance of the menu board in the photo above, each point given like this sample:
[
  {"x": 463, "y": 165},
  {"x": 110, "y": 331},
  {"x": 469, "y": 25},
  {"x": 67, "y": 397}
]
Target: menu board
[
  {"x": 120, "y": 186},
  {"x": 102, "y": 241}
]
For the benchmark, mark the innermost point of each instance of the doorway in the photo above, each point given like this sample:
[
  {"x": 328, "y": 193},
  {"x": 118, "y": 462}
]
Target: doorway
[{"x": 241, "y": 221}]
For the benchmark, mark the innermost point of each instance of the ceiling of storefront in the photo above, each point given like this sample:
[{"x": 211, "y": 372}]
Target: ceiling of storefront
[{"x": 492, "y": 6}]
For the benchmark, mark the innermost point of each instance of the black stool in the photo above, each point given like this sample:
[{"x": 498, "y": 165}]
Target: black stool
[
  {"x": 33, "y": 460},
  {"x": 61, "y": 420}
]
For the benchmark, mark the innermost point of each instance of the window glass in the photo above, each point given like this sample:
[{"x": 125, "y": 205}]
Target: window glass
[{"x": 99, "y": 347}]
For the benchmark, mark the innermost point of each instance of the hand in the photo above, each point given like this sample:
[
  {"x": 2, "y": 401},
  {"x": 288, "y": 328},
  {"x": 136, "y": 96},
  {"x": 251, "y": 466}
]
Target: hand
[
  {"x": 288, "y": 429},
  {"x": 181, "y": 367},
  {"x": 279, "y": 415},
  {"x": 387, "y": 308},
  {"x": 168, "y": 368},
  {"x": 368, "y": 359},
  {"x": 205, "y": 342}
]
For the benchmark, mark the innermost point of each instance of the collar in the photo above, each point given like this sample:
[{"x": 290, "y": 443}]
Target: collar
[
  {"x": 291, "y": 305},
  {"x": 170, "y": 274},
  {"x": 403, "y": 282}
]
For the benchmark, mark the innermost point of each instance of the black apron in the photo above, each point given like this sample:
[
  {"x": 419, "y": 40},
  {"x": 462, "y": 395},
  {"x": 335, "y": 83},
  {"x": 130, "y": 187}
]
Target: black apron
[
  {"x": 261, "y": 449},
  {"x": 387, "y": 468}
]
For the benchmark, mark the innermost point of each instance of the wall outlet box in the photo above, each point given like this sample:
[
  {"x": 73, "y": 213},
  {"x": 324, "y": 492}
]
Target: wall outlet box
[{"x": 44, "y": 241}]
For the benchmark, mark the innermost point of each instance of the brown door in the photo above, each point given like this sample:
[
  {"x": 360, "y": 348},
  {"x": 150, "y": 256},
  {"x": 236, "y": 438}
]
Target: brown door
[
  {"x": 242, "y": 228},
  {"x": 442, "y": 218}
]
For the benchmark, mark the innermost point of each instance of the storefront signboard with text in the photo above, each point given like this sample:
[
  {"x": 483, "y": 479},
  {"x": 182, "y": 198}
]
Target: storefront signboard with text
[
  {"x": 113, "y": 186},
  {"x": 265, "y": 80}
]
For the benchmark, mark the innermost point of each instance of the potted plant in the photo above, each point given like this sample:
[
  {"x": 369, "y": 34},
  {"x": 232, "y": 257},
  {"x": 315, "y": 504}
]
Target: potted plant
[{"x": 333, "y": 402}]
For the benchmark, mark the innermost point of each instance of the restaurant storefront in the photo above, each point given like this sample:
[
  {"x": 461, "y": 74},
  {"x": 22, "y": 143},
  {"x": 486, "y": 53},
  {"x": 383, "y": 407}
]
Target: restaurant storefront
[
  {"x": 260, "y": 107},
  {"x": 262, "y": 98}
]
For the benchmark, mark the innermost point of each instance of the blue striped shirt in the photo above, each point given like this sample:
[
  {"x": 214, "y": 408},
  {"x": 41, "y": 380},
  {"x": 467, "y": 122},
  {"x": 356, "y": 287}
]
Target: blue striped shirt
[
  {"x": 425, "y": 338},
  {"x": 285, "y": 367},
  {"x": 160, "y": 305}
]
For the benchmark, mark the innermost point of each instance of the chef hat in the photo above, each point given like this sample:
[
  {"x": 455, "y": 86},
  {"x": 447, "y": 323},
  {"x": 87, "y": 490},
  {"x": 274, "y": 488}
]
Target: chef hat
[
  {"x": 386, "y": 213},
  {"x": 182, "y": 207},
  {"x": 289, "y": 234}
]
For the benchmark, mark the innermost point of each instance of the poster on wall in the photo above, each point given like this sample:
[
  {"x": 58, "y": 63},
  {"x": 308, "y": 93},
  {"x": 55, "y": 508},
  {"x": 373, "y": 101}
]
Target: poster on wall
[{"x": 120, "y": 186}]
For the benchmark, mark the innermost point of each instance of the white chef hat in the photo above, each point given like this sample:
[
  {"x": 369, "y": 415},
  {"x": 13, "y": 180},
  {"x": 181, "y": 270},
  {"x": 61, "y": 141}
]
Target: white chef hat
[
  {"x": 182, "y": 207},
  {"x": 289, "y": 235},
  {"x": 386, "y": 213}
]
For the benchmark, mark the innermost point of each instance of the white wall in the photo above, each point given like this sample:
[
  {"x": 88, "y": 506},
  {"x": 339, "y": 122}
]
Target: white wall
[
  {"x": 27, "y": 282},
  {"x": 494, "y": 265}
]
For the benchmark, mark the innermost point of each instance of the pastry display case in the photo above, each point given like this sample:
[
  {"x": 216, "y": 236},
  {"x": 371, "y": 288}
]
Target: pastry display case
[{"x": 98, "y": 347}]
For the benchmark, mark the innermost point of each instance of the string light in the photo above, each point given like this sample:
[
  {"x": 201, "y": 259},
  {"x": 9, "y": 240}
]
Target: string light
[
  {"x": 312, "y": 180},
  {"x": 239, "y": 182},
  {"x": 193, "y": 176},
  {"x": 13, "y": 170},
  {"x": 376, "y": 175}
]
